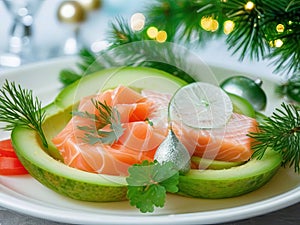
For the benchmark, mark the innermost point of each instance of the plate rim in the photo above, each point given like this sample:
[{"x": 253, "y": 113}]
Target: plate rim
[{"x": 219, "y": 216}]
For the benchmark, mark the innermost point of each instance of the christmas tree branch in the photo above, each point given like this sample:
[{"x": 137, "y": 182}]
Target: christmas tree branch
[{"x": 257, "y": 29}]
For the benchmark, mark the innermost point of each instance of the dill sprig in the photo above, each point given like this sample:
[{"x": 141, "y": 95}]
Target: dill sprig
[
  {"x": 280, "y": 132},
  {"x": 106, "y": 116},
  {"x": 18, "y": 107}
]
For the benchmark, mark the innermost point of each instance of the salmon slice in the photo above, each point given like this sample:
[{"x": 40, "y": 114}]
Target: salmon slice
[
  {"x": 141, "y": 136},
  {"x": 230, "y": 143},
  {"x": 138, "y": 142},
  {"x": 134, "y": 112},
  {"x": 125, "y": 95},
  {"x": 144, "y": 119}
]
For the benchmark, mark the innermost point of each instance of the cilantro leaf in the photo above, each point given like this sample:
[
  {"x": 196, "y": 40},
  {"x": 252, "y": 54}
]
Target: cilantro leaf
[
  {"x": 149, "y": 182},
  {"x": 169, "y": 183},
  {"x": 145, "y": 200}
]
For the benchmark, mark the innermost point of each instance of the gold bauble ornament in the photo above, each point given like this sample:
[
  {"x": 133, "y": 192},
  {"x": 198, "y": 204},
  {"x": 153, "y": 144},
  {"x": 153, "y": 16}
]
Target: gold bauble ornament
[
  {"x": 71, "y": 12},
  {"x": 90, "y": 5}
]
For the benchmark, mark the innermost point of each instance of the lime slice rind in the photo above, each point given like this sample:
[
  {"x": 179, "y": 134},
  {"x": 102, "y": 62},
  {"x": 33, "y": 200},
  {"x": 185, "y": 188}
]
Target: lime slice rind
[{"x": 201, "y": 105}]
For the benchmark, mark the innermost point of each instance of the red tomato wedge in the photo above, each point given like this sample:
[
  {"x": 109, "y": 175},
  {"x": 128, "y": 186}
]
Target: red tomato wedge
[
  {"x": 9, "y": 162},
  {"x": 6, "y": 148},
  {"x": 11, "y": 166}
]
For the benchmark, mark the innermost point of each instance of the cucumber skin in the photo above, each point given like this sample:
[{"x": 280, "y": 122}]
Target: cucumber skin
[
  {"x": 216, "y": 189},
  {"x": 73, "y": 188},
  {"x": 231, "y": 182}
]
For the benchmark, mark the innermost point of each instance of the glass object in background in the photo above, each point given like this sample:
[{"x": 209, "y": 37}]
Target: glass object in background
[
  {"x": 19, "y": 49},
  {"x": 90, "y": 5},
  {"x": 72, "y": 14}
]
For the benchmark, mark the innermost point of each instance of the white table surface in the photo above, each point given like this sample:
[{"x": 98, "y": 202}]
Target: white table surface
[{"x": 215, "y": 52}]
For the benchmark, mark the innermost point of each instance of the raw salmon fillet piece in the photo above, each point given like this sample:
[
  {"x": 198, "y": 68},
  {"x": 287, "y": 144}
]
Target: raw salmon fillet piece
[
  {"x": 230, "y": 143},
  {"x": 138, "y": 142},
  {"x": 144, "y": 119}
]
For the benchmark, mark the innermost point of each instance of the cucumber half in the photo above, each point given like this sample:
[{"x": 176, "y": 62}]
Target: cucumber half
[
  {"x": 230, "y": 182},
  {"x": 242, "y": 106}
]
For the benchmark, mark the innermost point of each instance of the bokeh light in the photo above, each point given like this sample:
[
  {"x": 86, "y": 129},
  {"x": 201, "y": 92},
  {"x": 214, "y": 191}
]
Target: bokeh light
[
  {"x": 249, "y": 6},
  {"x": 152, "y": 32},
  {"x": 209, "y": 24},
  {"x": 137, "y": 21},
  {"x": 280, "y": 28},
  {"x": 228, "y": 26},
  {"x": 161, "y": 36}
]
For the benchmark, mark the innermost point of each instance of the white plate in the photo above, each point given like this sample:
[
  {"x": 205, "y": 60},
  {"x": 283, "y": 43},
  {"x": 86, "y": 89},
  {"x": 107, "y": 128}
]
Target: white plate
[{"x": 25, "y": 195}]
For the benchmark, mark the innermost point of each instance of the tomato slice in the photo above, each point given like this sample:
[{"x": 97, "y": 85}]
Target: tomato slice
[
  {"x": 11, "y": 166},
  {"x": 6, "y": 148},
  {"x": 9, "y": 162}
]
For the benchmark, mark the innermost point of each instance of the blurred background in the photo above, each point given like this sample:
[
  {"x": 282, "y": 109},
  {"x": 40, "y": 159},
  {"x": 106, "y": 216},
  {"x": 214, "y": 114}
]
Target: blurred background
[{"x": 49, "y": 33}]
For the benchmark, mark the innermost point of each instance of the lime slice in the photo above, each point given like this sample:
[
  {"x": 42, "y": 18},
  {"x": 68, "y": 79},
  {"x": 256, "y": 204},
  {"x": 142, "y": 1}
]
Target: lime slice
[{"x": 201, "y": 105}]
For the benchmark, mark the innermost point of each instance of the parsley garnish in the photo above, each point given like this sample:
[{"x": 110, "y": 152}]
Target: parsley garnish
[
  {"x": 108, "y": 115},
  {"x": 149, "y": 182}
]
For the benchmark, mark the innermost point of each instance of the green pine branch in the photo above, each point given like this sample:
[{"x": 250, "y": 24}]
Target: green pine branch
[{"x": 254, "y": 36}]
